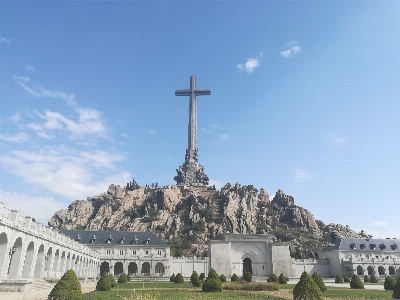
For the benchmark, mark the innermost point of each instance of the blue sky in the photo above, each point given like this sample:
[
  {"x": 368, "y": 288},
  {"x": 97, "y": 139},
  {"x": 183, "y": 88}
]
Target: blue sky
[{"x": 305, "y": 98}]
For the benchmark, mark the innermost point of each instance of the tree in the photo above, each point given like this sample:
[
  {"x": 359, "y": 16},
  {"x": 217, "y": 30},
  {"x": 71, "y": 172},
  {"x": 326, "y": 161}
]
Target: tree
[
  {"x": 318, "y": 280},
  {"x": 212, "y": 283},
  {"x": 396, "y": 290},
  {"x": 366, "y": 278},
  {"x": 356, "y": 283},
  {"x": 202, "y": 276},
  {"x": 67, "y": 288},
  {"x": 112, "y": 281},
  {"x": 273, "y": 278},
  {"x": 338, "y": 279},
  {"x": 247, "y": 276},
  {"x": 373, "y": 279},
  {"x": 179, "y": 278},
  {"x": 222, "y": 278},
  {"x": 123, "y": 278},
  {"x": 306, "y": 289},
  {"x": 172, "y": 278},
  {"x": 346, "y": 279},
  {"x": 389, "y": 283},
  {"x": 104, "y": 283},
  {"x": 282, "y": 279},
  {"x": 195, "y": 279},
  {"x": 235, "y": 278}
]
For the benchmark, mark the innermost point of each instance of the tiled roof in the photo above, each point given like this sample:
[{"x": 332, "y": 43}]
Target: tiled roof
[
  {"x": 114, "y": 237},
  {"x": 366, "y": 244}
]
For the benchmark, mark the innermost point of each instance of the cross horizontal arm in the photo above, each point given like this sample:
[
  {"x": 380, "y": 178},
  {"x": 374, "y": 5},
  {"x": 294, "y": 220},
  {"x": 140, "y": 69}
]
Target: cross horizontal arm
[{"x": 189, "y": 92}]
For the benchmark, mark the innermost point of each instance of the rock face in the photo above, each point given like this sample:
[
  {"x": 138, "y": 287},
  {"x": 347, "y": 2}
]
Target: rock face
[{"x": 189, "y": 216}]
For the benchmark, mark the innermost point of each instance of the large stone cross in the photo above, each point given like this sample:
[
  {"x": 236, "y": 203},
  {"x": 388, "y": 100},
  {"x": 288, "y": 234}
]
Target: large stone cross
[{"x": 191, "y": 173}]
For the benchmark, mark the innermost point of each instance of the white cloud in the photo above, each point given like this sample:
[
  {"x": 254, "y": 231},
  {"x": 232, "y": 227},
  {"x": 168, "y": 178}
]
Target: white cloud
[
  {"x": 224, "y": 137},
  {"x": 38, "y": 91},
  {"x": 205, "y": 130},
  {"x": 18, "y": 138},
  {"x": 40, "y": 208},
  {"x": 65, "y": 171},
  {"x": 217, "y": 183},
  {"x": 152, "y": 132},
  {"x": 249, "y": 66},
  {"x": 301, "y": 175},
  {"x": 124, "y": 135},
  {"x": 15, "y": 118},
  {"x": 335, "y": 139},
  {"x": 380, "y": 223},
  {"x": 291, "y": 51},
  {"x": 4, "y": 40},
  {"x": 29, "y": 68}
]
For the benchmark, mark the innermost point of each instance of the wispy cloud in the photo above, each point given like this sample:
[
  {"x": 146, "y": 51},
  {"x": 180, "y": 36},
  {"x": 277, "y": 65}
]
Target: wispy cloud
[
  {"x": 124, "y": 135},
  {"x": 250, "y": 64},
  {"x": 3, "y": 40},
  {"x": 336, "y": 139},
  {"x": 152, "y": 132},
  {"x": 29, "y": 68},
  {"x": 38, "y": 91},
  {"x": 224, "y": 137},
  {"x": 301, "y": 175},
  {"x": 380, "y": 223},
  {"x": 18, "y": 138},
  {"x": 292, "y": 51},
  {"x": 212, "y": 128},
  {"x": 15, "y": 118}
]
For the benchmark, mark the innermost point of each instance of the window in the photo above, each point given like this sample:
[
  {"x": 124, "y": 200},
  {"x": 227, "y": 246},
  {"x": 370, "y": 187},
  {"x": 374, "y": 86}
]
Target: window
[
  {"x": 134, "y": 252},
  {"x": 159, "y": 252},
  {"x": 353, "y": 246},
  {"x": 147, "y": 253},
  {"x": 376, "y": 256},
  {"x": 121, "y": 252},
  {"x": 158, "y": 270},
  {"x": 362, "y": 246},
  {"x": 372, "y": 246},
  {"x": 108, "y": 252},
  {"x": 394, "y": 247}
]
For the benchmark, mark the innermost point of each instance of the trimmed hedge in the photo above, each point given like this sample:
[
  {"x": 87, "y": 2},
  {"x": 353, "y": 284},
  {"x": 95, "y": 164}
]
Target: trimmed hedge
[
  {"x": 251, "y": 286},
  {"x": 318, "y": 280},
  {"x": 247, "y": 276},
  {"x": 123, "y": 278},
  {"x": 235, "y": 278},
  {"x": 172, "y": 278},
  {"x": 282, "y": 279},
  {"x": 222, "y": 278},
  {"x": 67, "y": 288},
  {"x": 366, "y": 278},
  {"x": 212, "y": 283},
  {"x": 306, "y": 288},
  {"x": 195, "y": 279},
  {"x": 346, "y": 279},
  {"x": 356, "y": 283},
  {"x": 112, "y": 281},
  {"x": 373, "y": 279},
  {"x": 104, "y": 283},
  {"x": 389, "y": 283},
  {"x": 338, "y": 279},
  {"x": 396, "y": 290},
  {"x": 179, "y": 278}
]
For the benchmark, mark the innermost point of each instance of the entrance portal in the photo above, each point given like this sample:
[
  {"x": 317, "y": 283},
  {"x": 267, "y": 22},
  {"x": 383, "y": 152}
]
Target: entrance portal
[{"x": 247, "y": 265}]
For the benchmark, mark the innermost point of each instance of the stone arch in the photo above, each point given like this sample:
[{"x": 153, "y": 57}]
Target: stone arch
[
  {"x": 370, "y": 270},
  {"x": 73, "y": 263},
  {"x": 159, "y": 269},
  {"x": 392, "y": 271},
  {"x": 56, "y": 262},
  {"x": 39, "y": 262},
  {"x": 360, "y": 271},
  {"x": 118, "y": 268},
  {"x": 30, "y": 253},
  {"x": 3, "y": 251},
  {"x": 132, "y": 268},
  {"x": 145, "y": 269},
  {"x": 63, "y": 262},
  {"x": 349, "y": 271},
  {"x": 247, "y": 265},
  {"x": 381, "y": 270},
  {"x": 16, "y": 254},
  {"x": 49, "y": 260},
  {"x": 104, "y": 267}
]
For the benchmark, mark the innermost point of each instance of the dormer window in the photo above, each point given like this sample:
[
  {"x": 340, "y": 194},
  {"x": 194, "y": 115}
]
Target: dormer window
[
  {"x": 353, "y": 246},
  {"x": 394, "y": 247},
  {"x": 109, "y": 240},
  {"x": 147, "y": 240},
  {"x": 78, "y": 238},
  {"x": 134, "y": 241},
  {"x": 94, "y": 239},
  {"x": 122, "y": 240},
  {"x": 372, "y": 246},
  {"x": 382, "y": 246},
  {"x": 362, "y": 246}
]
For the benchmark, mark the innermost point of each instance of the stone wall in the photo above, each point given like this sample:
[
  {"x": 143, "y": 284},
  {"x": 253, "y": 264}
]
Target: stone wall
[
  {"x": 280, "y": 259},
  {"x": 220, "y": 258},
  {"x": 321, "y": 266},
  {"x": 187, "y": 265}
]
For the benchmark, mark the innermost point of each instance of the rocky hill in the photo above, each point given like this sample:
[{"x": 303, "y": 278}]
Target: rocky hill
[{"x": 189, "y": 216}]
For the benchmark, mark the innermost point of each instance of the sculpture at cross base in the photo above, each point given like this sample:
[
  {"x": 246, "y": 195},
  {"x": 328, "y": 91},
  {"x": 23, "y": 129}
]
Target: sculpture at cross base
[{"x": 191, "y": 173}]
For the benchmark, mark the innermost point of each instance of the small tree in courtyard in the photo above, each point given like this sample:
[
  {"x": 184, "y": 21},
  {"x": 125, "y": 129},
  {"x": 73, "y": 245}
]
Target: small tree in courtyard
[
  {"x": 318, "y": 280},
  {"x": 389, "y": 283},
  {"x": 212, "y": 283},
  {"x": 282, "y": 279},
  {"x": 247, "y": 276},
  {"x": 235, "y": 278},
  {"x": 366, "y": 278},
  {"x": 373, "y": 279},
  {"x": 67, "y": 288},
  {"x": 273, "y": 278},
  {"x": 306, "y": 288},
  {"x": 346, "y": 279},
  {"x": 396, "y": 290},
  {"x": 338, "y": 279},
  {"x": 179, "y": 278},
  {"x": 112, "y": 281},
  {"x": 222, "y": 278},
  {"x": 356, "y": 283},
  {"x": 104, "y": 283},
  {"x": 172, "y": 278},
  {"x": 195, "y": 279},
  {"x": 202, "y": 277},
  {"x": 123, "y": 278}
]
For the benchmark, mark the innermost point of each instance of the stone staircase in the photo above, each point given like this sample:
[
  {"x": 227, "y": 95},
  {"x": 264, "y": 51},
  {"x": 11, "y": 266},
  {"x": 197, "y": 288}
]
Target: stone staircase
[{"x": 41, "y": 284}]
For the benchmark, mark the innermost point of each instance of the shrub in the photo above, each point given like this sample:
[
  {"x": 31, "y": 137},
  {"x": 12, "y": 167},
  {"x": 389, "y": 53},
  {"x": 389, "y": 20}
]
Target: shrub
[
  {"x": 273, "y": 278},
  {"x": 172, "y": 278},
  {"x": 338, "y": 279},
  {"x": 306, "y": 288},
  {"x": 356, "y": 283},
  {"x": 123, "y": 278},
  {"x": 212, "y": 283},
  {"x": 112, "y": 281},
  {"x": 346, "y": 279},
  {"x": 396, "y": 290},
  {"x": 318, "y": 280},
  {"x": 67, "y": 288},
  {"x": 282, "y": 279},
  {"x": 104, "y": 283},
  {"x": 202, "y": 276},
  {"x": 366, "y": 278},
  {"x": 128, "y": 278},
  {"x": 195, "y": 279},
  {"x": 389, "y": 283},
  {"x": 179, "y": 278},
  {"x": 251, "y": 286},
  {"x": 247, "y": 276},
  {"x": 373, "y": 279},
  {"x": 235, "y": 278},
  {"x": 222, "y": 278}
]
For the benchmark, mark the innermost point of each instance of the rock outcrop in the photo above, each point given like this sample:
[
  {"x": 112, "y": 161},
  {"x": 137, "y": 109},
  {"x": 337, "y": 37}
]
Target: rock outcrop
[{"x": 189, "y": 216}]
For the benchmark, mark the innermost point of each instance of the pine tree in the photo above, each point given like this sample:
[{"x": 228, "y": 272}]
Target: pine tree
[
  {"x": 222, "y": 278},
  {"x": 356, "y": 283},
  {"x": 212, "y": 283},
  {"x": 390, "y": 282},
  {"x": 396, "y": 290},
  {"x": 104, "y": 283},
  {"x": 179, "y": 278},
  {"x": 67, "y": 288},
  {"x": 123, "y": 278},
  {"x": 195, "y": 279},
  {"x": 282, "y": 279},
  {"x": 247, "y": 276},
  {"x": 338, "y": 279},
  {"x": 366, "y": 278},
  {"x": 273, "y": 278},
  {"x": 306, "y": 289},
  {"x": 235, "y": 278},
  {"x": 113, "y": 283},
  {"x": 346, "y": 279},
  {"x": 373, "y": 279},
  {"x": 172, "y": 278},
  {"x": 318, "y": 280}
]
